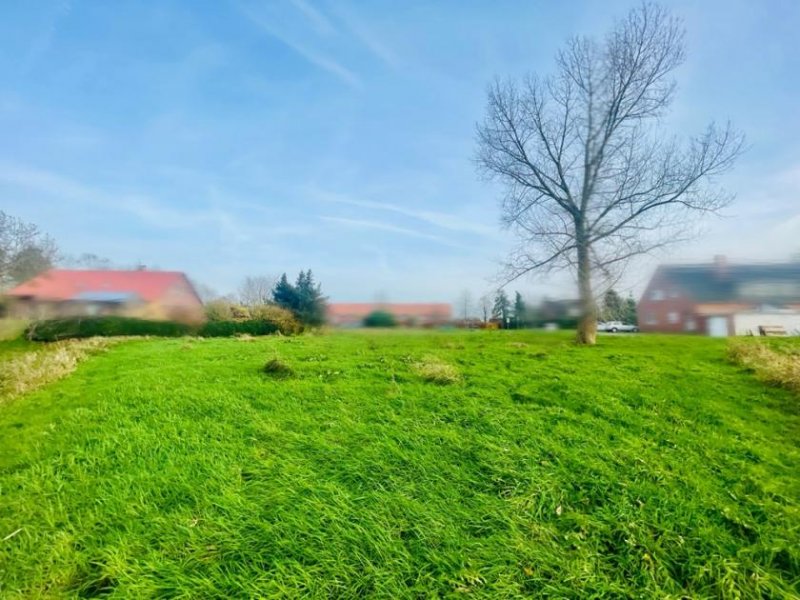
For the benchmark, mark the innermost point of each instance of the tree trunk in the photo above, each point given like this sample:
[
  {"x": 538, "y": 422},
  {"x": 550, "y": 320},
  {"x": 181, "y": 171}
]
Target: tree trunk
[{"x": 587, "y": 326}]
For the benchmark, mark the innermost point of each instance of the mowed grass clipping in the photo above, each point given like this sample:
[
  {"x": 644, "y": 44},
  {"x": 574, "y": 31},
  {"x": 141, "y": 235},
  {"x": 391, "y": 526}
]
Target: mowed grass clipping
[{"x": 645, "y": 467}]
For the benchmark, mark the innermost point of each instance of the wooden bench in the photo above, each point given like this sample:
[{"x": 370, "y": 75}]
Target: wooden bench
[{"x": 771, "y": 330}]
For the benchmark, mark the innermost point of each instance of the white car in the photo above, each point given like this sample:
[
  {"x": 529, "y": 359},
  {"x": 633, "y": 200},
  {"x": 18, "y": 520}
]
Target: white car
[{"x": 615, "y": 326}]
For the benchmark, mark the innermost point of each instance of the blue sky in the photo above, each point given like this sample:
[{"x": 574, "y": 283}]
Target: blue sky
[{"x": 233, "y": 138}]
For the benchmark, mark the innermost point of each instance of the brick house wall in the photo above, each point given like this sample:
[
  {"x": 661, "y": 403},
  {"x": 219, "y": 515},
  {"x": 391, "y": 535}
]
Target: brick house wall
[
  {"x": 667, "y": 308},
  {"x": 706, "y": 298}
]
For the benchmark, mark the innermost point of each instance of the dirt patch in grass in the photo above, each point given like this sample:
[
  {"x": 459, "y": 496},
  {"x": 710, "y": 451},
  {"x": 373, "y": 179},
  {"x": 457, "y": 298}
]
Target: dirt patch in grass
[
  {"x": 435, "y": 370},
  {"x": 49, "y": 362},
  {"x": 769, "y": 364}
]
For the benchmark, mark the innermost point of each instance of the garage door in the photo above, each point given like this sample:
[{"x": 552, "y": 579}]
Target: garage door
[{"x": 717, "y": 326}]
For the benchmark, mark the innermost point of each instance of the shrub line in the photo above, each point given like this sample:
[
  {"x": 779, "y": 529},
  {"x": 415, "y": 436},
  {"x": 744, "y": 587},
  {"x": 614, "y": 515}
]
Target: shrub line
[{"x": 52, "y": 330}]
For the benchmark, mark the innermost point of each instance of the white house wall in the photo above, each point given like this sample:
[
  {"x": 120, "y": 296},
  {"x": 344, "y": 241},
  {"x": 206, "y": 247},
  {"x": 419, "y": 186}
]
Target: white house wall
[{"x": 748, "y": 323}]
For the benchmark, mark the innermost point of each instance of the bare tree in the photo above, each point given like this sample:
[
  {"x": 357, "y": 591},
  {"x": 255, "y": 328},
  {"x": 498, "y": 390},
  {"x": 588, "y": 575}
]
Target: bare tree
[
  {"x": 590, "y": 179},
  {"x": 256, "y": 290},
  {"x": 24, "y": 251},
  {"x": 464, "y": 305},
  {"x": 485, "y": 303},
  {"x": 205, "y": 292},
  {"x": 89, "y": 260}
]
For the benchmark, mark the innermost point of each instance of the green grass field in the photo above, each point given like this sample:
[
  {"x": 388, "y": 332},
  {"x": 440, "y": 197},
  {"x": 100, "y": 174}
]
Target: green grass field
[{"x": 645, "y": 467}]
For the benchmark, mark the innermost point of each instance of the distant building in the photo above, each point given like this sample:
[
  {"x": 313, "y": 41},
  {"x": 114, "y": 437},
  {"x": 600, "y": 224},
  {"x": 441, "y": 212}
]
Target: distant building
[
  {"x": 145, "y": 294},
  {"x": 341, "y": 314},
  {"x": 721, "y": 299},
  {"x": 559, "y": 310}
]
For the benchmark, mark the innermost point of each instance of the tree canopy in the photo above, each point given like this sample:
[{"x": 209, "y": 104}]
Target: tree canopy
[
  {"x": 24, "y": 251},
  {"x": 502, "y": 308},
  {"x": 304, "y": 298}
]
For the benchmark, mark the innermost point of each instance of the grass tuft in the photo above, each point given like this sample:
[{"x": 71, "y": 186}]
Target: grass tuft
[
  {"x": 435, "y": 370},
  {"x": 278, "y": 369},
  {"x": 12, "y": 328},
  {"x": 44, "y": 364},
  {"x": 774, "y": 364},
  {"x": 453, "y": 346}
]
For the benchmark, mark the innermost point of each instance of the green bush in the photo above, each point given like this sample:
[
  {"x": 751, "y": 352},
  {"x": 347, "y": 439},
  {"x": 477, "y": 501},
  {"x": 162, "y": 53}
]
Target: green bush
[
  {"x": 225, "y": 310},
  {"x": 83, "y": 327},
  {"x": 285, "y": 320},
  {"x": 240, "y": 313},
  {"x": 380, "y": 318},
  {"x": 52, "y": 330},
  {"x": 231, "y": 328},
  {"x": 218, "y": 310}
]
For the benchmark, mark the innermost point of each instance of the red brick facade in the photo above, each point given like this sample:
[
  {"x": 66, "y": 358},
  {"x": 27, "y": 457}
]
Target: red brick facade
[
  {"x": 667, "y": 308},
  {"x": 718, "y": 298}
]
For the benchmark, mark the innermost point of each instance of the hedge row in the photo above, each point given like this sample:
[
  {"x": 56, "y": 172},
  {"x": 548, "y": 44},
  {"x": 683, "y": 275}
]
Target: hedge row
[
  {"x": 52, "y": 330},
  {"x": 230, "y": 328}
]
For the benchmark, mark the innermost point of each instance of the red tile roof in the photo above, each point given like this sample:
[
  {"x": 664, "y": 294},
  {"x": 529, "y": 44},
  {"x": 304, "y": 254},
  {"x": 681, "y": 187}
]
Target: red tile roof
[
  {"x": 406, "y": 309},
  {"x": 58, "y": 284}
]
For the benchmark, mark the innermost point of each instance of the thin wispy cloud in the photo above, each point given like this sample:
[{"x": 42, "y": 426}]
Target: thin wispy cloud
[
  {"x": 364, "y": 33},
  {"x": 437, "y": 219},
  {"x": 381, "y": 226},
  {"x": 223, "y": 213},
  {"x": 43, "y": 41},
  {"x": 316, "y": 18},
  {"x": 322, "y": 37},
  {"x": 43, "y": 181},
  {"x": 152, "y": 212},
  {"x": 315, "y": 58}
]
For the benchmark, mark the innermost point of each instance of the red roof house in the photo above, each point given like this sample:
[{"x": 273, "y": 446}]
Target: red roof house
[
  {"x": 342, "y": 314},
  {"x": 139, "y": 293}
]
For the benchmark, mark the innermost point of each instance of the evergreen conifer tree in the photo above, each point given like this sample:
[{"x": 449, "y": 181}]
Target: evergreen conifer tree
[
  {"x": 502, "y": 308},
  {"x": 519, "y": 311}
]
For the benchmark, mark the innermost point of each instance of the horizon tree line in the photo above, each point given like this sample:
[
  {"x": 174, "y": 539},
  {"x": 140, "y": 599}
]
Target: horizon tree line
[{"x": 519, "y": 313}]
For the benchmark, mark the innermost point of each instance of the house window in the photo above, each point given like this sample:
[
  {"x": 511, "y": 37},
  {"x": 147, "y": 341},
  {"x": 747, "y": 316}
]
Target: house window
[
  {"x": 657, "y": 295},
  {"x": 673, "y": 317},
  {"x": 691, "y": 324},
  {"x": 650, "y": 319}
]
